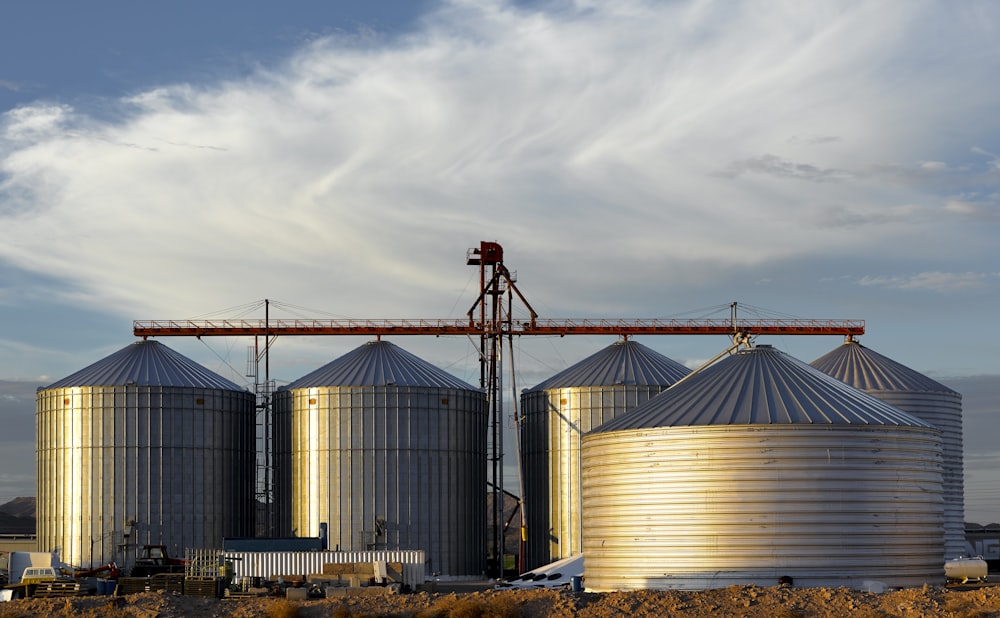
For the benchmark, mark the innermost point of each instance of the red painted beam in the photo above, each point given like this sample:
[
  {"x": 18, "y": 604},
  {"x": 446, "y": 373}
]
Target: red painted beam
[{"x": 214, "y": 328}]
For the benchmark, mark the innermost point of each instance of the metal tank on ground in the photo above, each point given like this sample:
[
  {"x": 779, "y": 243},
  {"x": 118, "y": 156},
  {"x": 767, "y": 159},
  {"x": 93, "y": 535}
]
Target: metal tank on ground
[
  {"x": 390, "y": 451},
  {"x": 555, "y": 415},
  {"x": 758, "y": 468},
  {"x": 926, "y": 399},
  {"x": 143, "y": 447}
]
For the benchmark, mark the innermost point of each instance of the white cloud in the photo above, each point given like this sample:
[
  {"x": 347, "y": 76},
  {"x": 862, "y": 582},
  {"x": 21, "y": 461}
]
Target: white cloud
[
  {"x": 772, "y": 165},
  {"x": 977, "y": 207},
  {"x": 933, "y": 281},
  {"x": 362, "y": 168}
]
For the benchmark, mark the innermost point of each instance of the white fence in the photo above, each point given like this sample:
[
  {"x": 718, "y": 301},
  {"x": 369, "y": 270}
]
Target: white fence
[{"x": 270, "y": 565}]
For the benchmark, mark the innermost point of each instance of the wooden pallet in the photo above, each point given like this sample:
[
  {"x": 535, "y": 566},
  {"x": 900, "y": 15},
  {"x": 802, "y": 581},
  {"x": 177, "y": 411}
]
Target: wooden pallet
[
  {"x": 201, "y": 586},
  {"x": 58, "y": 589},
  {"x": 169, "y": 582},
  {"x": 132, "y": 585}
]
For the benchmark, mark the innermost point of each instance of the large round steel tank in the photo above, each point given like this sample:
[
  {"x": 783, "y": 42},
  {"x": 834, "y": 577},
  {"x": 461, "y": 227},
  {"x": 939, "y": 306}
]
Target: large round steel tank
[
  {"x": 555, "y": 415},
  {"x": 143, "y": 447},
  {"x": 757, "y": 468},
  {"x": 908, "y": 390},
  {"x": 390, "y": 452}
]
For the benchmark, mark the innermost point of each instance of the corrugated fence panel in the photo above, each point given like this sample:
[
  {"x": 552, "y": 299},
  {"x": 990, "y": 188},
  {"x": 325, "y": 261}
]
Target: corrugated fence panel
[{"x": 270, "y": 565}]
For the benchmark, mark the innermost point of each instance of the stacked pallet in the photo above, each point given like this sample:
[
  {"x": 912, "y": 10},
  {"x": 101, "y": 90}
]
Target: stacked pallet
[
  {"x": 202, "y": 586},
  {"x": 132, "y": 585},
  {"x": 356, "y": 574},
  {"x": 59, "y": 589},
  {"x": 168, "y": 582}
]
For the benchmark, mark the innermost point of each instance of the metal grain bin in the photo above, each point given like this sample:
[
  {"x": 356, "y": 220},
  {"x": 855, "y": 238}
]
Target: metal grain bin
[
  {"x": 757, "y": 468},
  {"x": 390, "y": 451},
  {"x": 926, "y": 399},
  {"x": 143, "y": 447},
  {"x": 556, "y": 414}
]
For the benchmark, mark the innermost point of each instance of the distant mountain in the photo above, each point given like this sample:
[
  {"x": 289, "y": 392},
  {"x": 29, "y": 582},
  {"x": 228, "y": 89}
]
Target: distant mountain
[
  {"x": 20, "y": 507},
  {"x": 18, "y": 516}
]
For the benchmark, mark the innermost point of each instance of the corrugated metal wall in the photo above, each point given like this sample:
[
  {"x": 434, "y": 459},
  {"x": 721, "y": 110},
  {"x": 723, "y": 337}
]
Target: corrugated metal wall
[
  {"x": 944, "y": 411},
  {"x": 395, "y": 468},
  {"x": 925, "y": 398},
  {"x": 552, "y": 427},
  {"x": 711, "y": 506},
  {"x": 177, "y": 461}
]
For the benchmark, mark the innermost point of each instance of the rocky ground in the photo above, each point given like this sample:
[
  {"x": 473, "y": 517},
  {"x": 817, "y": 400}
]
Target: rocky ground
[{"x": 750, "y": 601}]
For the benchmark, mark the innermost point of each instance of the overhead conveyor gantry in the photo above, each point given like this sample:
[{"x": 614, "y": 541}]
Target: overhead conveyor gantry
[{"x": 491, "y": 319}]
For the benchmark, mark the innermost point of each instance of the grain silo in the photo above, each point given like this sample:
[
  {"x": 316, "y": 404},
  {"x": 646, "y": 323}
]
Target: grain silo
[
  {"x": 390, "y": 452},
  {"x": 556, "y": 414},
  {"x": 143, "y": 447},
  {"x": 926, "y": 399},
  {"x": 758, "y": 468}
]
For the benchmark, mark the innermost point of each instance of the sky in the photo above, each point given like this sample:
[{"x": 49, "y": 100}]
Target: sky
[{"x": 187, "y": 160}]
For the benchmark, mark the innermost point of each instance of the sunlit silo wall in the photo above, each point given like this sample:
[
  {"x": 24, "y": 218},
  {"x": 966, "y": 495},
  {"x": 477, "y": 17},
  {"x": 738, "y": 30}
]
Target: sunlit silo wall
[
  {"x": 390, "y": 451},
  {"x": 556, "y": 414},
  {"x": 142, "y": 447},
  {"x": 761, "y": 467},
  {"x": 926, "y": 399}
]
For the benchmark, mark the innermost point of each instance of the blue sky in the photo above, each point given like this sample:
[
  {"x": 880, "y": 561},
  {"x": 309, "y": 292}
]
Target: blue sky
[{"x": 640, "y": 159}]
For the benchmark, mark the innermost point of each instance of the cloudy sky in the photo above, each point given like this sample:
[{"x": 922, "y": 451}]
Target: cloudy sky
[{"x": 635, "y": 159}]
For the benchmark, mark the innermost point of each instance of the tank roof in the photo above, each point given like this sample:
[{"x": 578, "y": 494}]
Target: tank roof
[
  {"x": 869, "y": 371},
  {"x": 623, "y": 362},
  {"x": 761, "y": 386},
  {"x": 380, "y": 363},
  {"x": 146, "y": 363}
]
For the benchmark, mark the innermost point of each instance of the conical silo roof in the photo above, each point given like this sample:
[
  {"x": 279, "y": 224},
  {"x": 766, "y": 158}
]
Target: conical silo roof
[
  {"x": 867, "y": 370},
  {"x": 146, "y": 363},
  {"x": 922, "y": 397},
  {"x": 761, "y": 386},
  {"x": 380, "y": 363},
  {"x": 623, "y": 362}
]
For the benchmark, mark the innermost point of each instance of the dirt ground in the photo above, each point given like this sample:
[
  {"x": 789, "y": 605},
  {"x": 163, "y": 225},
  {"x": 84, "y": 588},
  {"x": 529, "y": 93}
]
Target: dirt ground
[{"x": 750, "y": 601}]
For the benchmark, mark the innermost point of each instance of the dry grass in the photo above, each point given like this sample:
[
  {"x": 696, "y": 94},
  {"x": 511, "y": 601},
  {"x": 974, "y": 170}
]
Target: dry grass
[
  {"x": 283, "y": 609},
  {"x": 472, "y": 606},
  {"x": 340, "y": 612},
  {"x": 11, "y": 610}
]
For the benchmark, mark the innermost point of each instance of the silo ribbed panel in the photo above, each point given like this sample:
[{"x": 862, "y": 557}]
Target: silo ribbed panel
[
  {"x": 709, "y": 507},
  {"x": 555, "y": 415},
  {"x": 926, "y": 399},
  {"x": 758, "y": 467},
  {"x": 392, "y": 458},
  {"x": 144, "y": 436}
]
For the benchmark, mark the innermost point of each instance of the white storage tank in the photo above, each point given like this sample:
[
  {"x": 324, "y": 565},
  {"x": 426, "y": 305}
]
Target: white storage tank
[
  {"x": 758, "y": 468},
  {"x": 908, "y": 390},
  {"x": 143, "y": 447},
  {"x": 390, "y": 452},
  {"x": 556, "y": 413}
]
